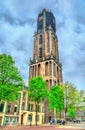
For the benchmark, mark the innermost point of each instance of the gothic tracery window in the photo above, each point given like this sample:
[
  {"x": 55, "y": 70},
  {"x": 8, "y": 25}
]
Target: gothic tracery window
[
  {"x": 40, "y": 52},
  {"x": 46, "y": 69},
  {"x": 39, "y": 67},
  {"x": 40, "y": 39},
  {"x": 47, "y": 42}
]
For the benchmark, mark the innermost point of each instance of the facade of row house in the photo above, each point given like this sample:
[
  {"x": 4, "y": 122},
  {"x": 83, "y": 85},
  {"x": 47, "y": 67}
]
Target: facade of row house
[
  {"x": 45, "y": 62},
  {"x": 21, "y": 112},
  {"x": 80, "y": 113}
]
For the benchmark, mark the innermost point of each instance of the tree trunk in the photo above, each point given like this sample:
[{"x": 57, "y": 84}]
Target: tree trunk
[
  {"x": 36, "y": 115},
  {"x": 65, "y": 112},
  {"x": 36, "y": 112}
]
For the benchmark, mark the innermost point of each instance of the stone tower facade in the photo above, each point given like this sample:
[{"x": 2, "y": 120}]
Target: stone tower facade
[{"x": 45, "y": 60}]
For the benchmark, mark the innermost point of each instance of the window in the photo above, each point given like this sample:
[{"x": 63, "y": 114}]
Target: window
[
  {"x": 37, "y": 118},
  {"x": 14, "y": 120},
  {"x": 38, "y": 108},
  {"x": 50, "y": 66},
  {"x": 8, "y": 108},
  {"x": 23, "y": 105},
  {"x": 46, "y": 69},
  {"x": 30, "y": 107},
  {"x": 48, "y": 42},
  {"x": 78, "y": 113},
  {"x": 15, "y": 108},
  {"x": 84, "y": 113},
  {"x": 6, "y": 120},
  {"x": 57, "y": 71},
  {"x": 55, "y": 50},
  {"x": 40, "y": 52},
  {"x": 39, "y": 68},
  {"x": 54, "y": 69},
  {"x": 58, "y": 82},
  {"x": 30, "y": 117},
  {"x": 47, "y": 84},
  {"x": 54, "y": 82},
  {"x": 43, "y": 109},
  {"x": 1, "y": 107},
  {"x": 40, "y": 39},
  {"x": 24, "y": 95},
  {"x": 50, "y": 83}
]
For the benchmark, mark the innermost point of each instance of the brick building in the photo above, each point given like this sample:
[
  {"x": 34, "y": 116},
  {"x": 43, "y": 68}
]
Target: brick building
[
  {"x": 45, "y": 60},
  {"x": 21, "y": 112}
]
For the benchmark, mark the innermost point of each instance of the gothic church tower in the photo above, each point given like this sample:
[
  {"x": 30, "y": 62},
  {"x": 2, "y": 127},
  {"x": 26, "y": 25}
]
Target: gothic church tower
[{"x": 45, "y": 60}]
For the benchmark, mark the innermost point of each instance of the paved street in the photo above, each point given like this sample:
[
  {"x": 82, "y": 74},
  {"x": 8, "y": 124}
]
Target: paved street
[
  {"x": 71, "y": 126},
  {"x": 77, "y": 125}
]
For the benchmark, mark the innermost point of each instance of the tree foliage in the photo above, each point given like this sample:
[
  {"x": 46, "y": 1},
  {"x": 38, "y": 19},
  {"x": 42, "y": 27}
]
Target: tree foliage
[
  {"x": 70, "y": 96},
  {"x": 56, "y": 98},
  {"x": 73, "y": 98},
  {"x": 37, "y": 91},
  {"x": 71, "y": 113},
  {"x": 80, "y": 97},
  {"x": 83, "y": 99},
  {"x": 10, "y": 80}
]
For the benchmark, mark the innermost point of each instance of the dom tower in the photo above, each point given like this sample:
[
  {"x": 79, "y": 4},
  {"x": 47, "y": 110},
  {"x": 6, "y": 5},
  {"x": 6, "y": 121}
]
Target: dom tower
[{"x": 45, "y": 61}]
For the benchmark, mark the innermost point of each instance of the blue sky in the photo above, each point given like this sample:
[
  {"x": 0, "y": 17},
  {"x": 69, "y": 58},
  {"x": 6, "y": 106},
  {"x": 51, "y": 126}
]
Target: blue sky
[{"x": 18, "y": 19}]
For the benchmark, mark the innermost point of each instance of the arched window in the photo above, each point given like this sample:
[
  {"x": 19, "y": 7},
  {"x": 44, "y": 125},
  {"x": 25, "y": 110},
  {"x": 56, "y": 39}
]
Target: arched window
[
  {"x": 54, "y": 69},
  {"x": 50, "y": 82},
  {"x": 40, "y": 52},
  {"x": 46, "y": 69},
  {"x": 47, "y": 42},
  {"x": 39, "y": 68},
  {"x": 47, "y": 83},
  {"x": 50, "y": 68},
  {"x": 40, "y": 39}
]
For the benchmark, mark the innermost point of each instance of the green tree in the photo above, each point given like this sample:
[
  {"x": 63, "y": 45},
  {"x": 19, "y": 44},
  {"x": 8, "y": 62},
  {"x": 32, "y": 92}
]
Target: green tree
[
  {"x": 83, "y": 99},
  {"x": 56, "y": 99},
  {"x": 70, "y": 96},
  {"x": 10, "y": 79},
  {"x": 80, "y": 97},
  {"x": 37, "y": 91},
  {"x": 71, "y": 113}
]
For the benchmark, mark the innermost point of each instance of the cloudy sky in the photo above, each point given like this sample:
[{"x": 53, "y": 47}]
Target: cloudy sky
[{"x": 17, "y": 26}]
